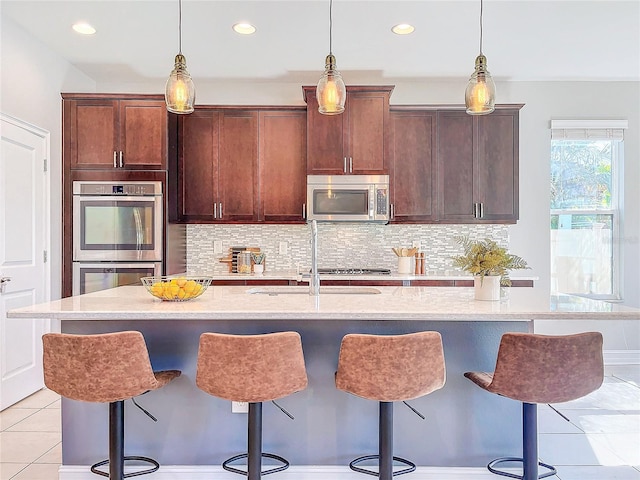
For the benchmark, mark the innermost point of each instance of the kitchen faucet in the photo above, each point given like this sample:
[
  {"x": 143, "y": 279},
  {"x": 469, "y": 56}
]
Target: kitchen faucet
[{"x": 314, "y": 281}]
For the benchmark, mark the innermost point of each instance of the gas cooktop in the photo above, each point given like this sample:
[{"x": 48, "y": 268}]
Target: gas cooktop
[{"x": 354, "y": 271}]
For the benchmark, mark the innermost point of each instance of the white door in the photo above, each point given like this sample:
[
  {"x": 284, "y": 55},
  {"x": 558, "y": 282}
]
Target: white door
[{"x": 24, "y": 241}]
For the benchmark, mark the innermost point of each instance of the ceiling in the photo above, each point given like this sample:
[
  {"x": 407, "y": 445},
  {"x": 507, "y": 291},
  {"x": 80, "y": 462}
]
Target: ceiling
[{"x": 539, "y": 40}]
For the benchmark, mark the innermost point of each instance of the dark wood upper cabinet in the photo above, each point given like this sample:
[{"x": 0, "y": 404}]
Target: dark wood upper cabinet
[
  {"x": 198, "y": 155},
  {"x": 240, "y": 166},
  {"x": 477, "y": 161},
  {"x": 498, "y": 163},
  {"x": 456, "y": 166},
  {"x": 354, "y": 142},
  {"x": 282, "y": 165},
  {"x": 413, "y": 166},
  {"x": 114, "y": 132}
]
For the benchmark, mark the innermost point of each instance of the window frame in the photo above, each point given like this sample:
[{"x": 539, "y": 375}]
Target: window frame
[{"x": 596, "y": 130}]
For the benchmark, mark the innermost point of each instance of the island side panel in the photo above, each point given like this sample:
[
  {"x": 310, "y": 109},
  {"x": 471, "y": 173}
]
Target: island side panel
[{"x": 464, "y": 426}]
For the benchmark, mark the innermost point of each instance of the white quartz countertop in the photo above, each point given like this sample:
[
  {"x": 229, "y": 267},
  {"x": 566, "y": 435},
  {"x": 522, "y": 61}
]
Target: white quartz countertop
[{"x": 293, "y": 302}]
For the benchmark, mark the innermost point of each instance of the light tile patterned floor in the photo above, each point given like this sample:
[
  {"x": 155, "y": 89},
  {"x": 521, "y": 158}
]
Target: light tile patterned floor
[{"x": 601, "y": 441}]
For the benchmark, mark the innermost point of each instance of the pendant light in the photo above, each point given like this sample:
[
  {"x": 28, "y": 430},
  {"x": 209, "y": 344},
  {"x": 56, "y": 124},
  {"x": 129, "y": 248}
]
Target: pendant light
[
  {"x": 331, "y": 91},
  {"x": 180, "y": 93},
  {"x": 480, "y": 96}
]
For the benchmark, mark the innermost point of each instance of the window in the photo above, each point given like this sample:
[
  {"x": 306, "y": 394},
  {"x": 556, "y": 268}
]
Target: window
[{"x": 586, "y": 173}]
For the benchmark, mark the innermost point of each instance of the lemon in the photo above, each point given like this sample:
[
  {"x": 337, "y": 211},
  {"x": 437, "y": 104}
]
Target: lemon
[
  {"x": 157, "y": 289},
  {"x": 189, "y": 286}
]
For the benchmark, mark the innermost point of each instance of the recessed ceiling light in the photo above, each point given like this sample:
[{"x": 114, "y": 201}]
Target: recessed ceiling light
[
  {"x": 402, "y": 29},
  {"x": 244, "y": 28},
  {"x": 84, "y": 28}
]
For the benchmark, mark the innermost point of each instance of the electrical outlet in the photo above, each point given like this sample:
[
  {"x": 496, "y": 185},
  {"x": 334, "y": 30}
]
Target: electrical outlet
[
  {"x": 283, "y": 248},
  {"x": 416, "y": 244},
  {"x": 217, "y": 246},
  {"x": 239, "y": 407}
]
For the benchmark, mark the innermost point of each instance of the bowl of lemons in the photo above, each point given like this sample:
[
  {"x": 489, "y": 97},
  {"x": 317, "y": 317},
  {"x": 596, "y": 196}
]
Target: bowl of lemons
[{"x": 176, "y": 289}]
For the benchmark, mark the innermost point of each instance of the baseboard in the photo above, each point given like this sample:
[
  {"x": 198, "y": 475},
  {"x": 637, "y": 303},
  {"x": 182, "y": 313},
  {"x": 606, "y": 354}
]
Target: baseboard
[
  {"x": 310, "y": 472},
  {"x": 621, "y": 357}
]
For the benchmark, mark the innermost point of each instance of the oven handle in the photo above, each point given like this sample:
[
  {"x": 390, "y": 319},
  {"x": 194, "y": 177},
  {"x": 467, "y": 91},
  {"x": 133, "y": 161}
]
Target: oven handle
[{"x": 123, "y": 198}]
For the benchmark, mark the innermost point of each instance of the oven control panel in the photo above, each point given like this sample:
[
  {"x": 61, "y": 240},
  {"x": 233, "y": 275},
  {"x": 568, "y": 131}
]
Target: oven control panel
[{"x": 108, "y": 188}]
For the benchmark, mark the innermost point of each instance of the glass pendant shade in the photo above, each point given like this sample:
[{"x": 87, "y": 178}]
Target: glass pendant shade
[
  {"x": 180, "y": 93},
  {"x": 331, "y": 91},
  {"x": 480, "y": 95}
]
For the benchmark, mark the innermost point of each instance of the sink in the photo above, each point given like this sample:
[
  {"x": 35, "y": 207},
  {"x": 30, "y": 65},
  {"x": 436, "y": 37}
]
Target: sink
[{"x": 293, "y": 290}]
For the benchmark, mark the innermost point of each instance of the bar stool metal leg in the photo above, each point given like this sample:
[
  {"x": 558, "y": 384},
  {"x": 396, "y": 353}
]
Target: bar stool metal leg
[
  {"x": 385, "y": 440},
  {"x": 116, "y": 440},
  {"x": 254, "y": 453},
  {"x": 529, "y": 458},
  {"x": 254, "y": 460},
  {"x": 117, "y": 457},
  {"x": 385, "y": 449}
]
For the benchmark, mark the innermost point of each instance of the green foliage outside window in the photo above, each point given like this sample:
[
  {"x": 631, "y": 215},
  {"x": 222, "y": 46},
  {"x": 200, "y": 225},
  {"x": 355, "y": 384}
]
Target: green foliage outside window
[{"x": 581, "y": 174}]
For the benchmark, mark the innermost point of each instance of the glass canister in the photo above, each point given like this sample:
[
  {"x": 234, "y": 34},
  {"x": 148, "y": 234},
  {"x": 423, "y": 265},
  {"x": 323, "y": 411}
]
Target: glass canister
[{"x": 244, "y": 262}]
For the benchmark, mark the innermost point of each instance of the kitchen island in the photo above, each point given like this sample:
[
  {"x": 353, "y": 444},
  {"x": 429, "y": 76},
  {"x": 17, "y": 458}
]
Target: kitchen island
[{"x": 464, "y": 426}]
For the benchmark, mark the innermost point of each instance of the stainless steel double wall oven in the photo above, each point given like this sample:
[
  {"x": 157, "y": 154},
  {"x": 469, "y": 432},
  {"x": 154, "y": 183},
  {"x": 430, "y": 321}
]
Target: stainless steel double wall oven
[{"x": 117, "y": 233}]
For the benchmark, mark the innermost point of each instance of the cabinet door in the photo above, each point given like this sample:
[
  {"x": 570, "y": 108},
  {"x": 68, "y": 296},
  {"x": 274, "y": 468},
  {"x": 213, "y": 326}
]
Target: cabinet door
[
  {"x": 456, "y": 169},
  {"x": 238, "y": 168},
  {"x": 282, "y": 164},
  {"x": 412, "y": 168},
  {"x": 91, "y": 135},
  {"x": 497, "y": 179},
  {"x": 143, "y": 134},
  {"x": 365, "y": 137},
  {"x": 325, "y": 155},
  {"x": 198, "y": 139}
]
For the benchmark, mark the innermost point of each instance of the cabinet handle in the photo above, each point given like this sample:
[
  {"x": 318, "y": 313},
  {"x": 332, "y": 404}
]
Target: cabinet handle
[
  {"x": 115, "y": 159},
  {"x": 220, "y": 210},
  {"x": 350, "y": 165},
  {"x": 215, "y": 210},
  {"x": 304, "y": 211},
  {"x": 481, "y": 210},
  {"x": 121, "y": 162},
  {"x": 344, "y": 169},
  {"x": 392, "y": 211}
]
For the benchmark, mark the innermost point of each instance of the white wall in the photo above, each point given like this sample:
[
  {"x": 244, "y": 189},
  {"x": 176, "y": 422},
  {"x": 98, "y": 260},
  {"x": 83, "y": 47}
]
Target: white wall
[{"x": 33, "y": 76}]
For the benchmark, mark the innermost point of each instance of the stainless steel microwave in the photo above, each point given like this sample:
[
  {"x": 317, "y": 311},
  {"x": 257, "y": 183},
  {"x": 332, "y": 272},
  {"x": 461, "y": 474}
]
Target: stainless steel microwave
[{"x": 348, "y": 198}]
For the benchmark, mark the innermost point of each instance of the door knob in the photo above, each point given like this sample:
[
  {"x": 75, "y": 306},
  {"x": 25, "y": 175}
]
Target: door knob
[{"x": 3, "y": 282}]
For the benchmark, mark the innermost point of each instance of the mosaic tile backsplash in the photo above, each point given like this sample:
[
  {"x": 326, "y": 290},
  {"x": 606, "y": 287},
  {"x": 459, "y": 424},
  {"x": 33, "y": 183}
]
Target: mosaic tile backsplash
[{"x": 362, "y": 245}]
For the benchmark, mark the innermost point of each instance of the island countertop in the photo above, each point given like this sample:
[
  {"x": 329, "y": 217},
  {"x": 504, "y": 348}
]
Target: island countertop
[
  {"x": 466, "y": 427},
  {"x": 293, "y": 302}
]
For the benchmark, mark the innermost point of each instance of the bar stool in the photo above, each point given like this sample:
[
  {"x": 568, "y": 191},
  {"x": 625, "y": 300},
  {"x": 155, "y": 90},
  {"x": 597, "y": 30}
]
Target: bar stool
[
  {"x": 252, "y": 369},
  {"x": 104, "y": 368},
  {"x": 389, "y": 368},
  {"x": 534, "y": 369}
]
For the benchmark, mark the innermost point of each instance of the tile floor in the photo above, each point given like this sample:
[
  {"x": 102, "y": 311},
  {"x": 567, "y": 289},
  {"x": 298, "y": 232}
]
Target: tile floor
[{"x": 601, "y": 441}]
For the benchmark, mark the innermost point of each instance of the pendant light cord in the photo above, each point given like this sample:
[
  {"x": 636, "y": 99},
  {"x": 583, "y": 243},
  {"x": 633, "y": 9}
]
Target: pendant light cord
[
  {"x": 330, "y": 27},
  {"x": 180, "y": 26},
  {"x": 480, "y": 27}
]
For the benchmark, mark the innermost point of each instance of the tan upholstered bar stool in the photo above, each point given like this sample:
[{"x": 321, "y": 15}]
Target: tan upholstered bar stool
[
  {"x": 536, "y": 369},
  {"x": 389, "y": 368},
  {"x": 252, "y": 369},
  {"x": 105, "y": 368}
]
